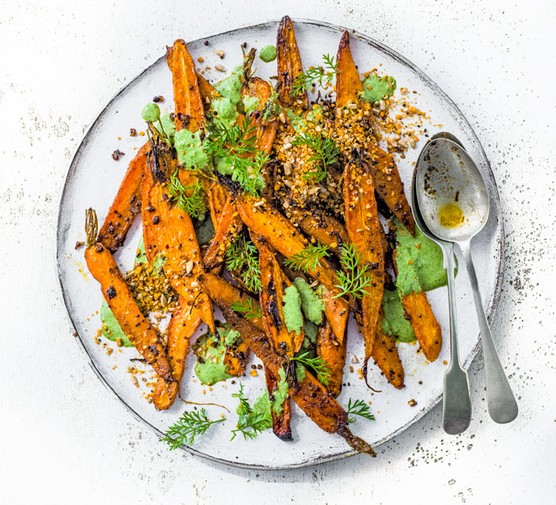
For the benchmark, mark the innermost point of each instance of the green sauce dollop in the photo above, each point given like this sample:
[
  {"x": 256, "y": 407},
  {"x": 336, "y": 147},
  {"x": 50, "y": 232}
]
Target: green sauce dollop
[
  {"x": 311, "y": 305},
  {"x": 250, "y": 104},
  {"x": 280, "y": 394},
  {"x": 376, "y": 88},
  {"x": 189, "y": 148},
  {"x": 268, "y": 53},
  {"x": 230, "y": 87},
  {"x": 210, "y": 350},
  {"x": 419, "y": 262},
  {"x": 292, "y": 310},
  {"x": 394, "y": 322}
]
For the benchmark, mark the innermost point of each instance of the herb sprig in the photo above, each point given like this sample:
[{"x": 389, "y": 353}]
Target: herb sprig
[
  {"x": 250, "y": 422},
  {"x": 323, "y": 75},
  {"x": 308, "y": 259},
  {"x": 187, "y": 427},
  {"x": 247, "y": 308},
  {"x": 354, "y": 277},
  {"x": 242, "y": 258},
  {"x": 235, "y": 153},
  {"x": 359, "y": 408},
  {"x": 188, "y": 198},
  {"x": 324, "y": 153},
  {"x": 315, "y": 364}
]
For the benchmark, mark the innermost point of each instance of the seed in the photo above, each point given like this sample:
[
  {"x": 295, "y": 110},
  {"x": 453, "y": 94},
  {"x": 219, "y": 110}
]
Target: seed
[
  {"x": 220, "y": 53},
  {"x": 282, "y": 117},
  {"x": 288, "y": 168},
  {"x": 352, "y": 106},
  {"x": 287, "y": 146},
  {"x": 220, "y": 68},
  {"x": 163, "y": 300},
  {"x": 189, "y": 267}
]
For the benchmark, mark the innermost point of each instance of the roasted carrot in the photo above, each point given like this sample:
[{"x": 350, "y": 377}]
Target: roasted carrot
[
  {"x": 386, "y": 357},
  {"x": 348, "y": 83},
  {"x": 364, "y": 230},
  {"x": 281, "y": 421},
  {"x": 306, "y": 391},
  {"x": 289, "y": 65},
  {"x": 228, "y": 226},
  {"x": 173, "y": 235},
  {"x": 189, "y": 109},
  {"x": 424, "y": 323},
  {"x": 126, "y": 205},
  {"x": 282, "y": 235},
  {"x": 326, "y": 229},
  {"x": 274, "y": 285},
  {"x": 185, "y": 321},
  {"x": 119, "y": 298},
  {"x": 333, "y": 353}
]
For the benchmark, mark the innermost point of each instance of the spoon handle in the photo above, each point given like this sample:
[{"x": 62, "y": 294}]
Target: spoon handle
[
  {"x": 456, "y": 404},
  {"x": 502, "y": 406}
]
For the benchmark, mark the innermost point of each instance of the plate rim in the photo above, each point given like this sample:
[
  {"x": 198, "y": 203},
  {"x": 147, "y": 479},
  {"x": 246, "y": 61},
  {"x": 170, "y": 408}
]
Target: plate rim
[{"x": 491, "y": 309}]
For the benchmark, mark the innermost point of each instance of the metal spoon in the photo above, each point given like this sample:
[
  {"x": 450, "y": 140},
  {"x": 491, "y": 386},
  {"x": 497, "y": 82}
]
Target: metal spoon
[
  {"x": 454, "y": 205},
  {"x": 456, "y": 402}
]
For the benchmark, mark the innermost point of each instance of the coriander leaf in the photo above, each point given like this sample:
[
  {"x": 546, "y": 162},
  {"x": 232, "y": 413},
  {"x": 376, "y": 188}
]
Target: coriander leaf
[{"x": 322, "y": 75}]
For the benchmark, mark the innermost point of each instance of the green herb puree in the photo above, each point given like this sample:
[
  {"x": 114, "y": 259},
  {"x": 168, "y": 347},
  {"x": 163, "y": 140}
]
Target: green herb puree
[
  {"x": 311, "y": 305},
  {"x": 394, "y": 322},
  {"x": 210, "y": 350},
  {"x": 292, "y": 310},
  {"x": 376, "y": 88},
  {"x": 189, "y": 148},
  {"x": 268, "y": 53}
]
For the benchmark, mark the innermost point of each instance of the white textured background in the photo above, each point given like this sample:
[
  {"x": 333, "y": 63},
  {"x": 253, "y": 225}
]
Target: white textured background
[{"x": 64, "y": 439}]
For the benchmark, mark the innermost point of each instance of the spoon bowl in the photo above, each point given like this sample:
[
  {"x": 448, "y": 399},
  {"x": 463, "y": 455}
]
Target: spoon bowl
[{"x": 451, "y": 194}]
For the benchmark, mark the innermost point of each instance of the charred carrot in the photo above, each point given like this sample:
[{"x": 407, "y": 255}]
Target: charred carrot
[{"x": 119, "y": 298}]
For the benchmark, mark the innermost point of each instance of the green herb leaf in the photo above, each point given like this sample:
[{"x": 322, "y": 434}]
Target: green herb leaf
[
  {"x": 359, "y": 408},
  {"x": 187, "y": 427},
  {"x": 242, "y": 258},
  {"x": 353, "y": 277},
  {"x": 308, "y": 259},
  {"x": 248, "y": 309},
  {"x": 325, "y": 152},
  {"x": 254, "y": 419},
  {"x": 188, "y": 198},
  {"x": 322, "y": 75},
  {"x": 316, "y": 364}
]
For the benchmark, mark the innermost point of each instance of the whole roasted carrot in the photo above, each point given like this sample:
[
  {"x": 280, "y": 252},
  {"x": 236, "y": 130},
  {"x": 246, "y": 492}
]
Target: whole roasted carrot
[
  {"x": 333, "y": 353},
  {"x": 365, "y": 233},
  {"x": 119, "y": 298},
  {"x": 189, "y": 109},
  {"x": 126, "y": 205},
  {"x": 289, "y": 65}
]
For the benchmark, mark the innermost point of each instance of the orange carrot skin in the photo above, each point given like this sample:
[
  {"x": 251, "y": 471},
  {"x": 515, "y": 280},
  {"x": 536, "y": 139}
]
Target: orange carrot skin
[
  {"x": 333, "y": 353},
  {"x": 348, "y": 83},
  {"x": 185, "y": 321},
  {"x": 173, "y": 234},
  {"x": 189, "y": 108},
  {"x": 280, "y": 421},
  {"x": 289, "y": 64},
  {"x": 365, "y": 233},
  {"x": 386, "y": 357},
  {"x": 119, "y": 298},
  {"x": 424, "y": 324},
  {"x": 126, "y": 205}
]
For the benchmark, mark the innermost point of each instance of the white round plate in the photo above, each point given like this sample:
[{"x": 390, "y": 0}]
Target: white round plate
[{"x": 94, "y": 177}]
